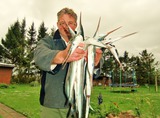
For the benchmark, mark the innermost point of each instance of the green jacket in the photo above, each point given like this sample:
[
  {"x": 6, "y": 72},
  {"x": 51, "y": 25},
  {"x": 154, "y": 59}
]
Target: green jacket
[{"x": 52, "y": 92}]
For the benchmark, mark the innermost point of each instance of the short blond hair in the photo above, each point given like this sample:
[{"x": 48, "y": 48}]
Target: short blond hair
[{"x": 67, "y": 11}]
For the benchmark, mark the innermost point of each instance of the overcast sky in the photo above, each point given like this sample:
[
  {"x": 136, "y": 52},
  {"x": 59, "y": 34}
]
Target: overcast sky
[{"x": 133, "y": 15}]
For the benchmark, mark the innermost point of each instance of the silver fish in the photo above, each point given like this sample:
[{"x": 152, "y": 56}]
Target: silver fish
[
  {"x": 110, "y": 41},
  {"x": 78, "y": 83}
]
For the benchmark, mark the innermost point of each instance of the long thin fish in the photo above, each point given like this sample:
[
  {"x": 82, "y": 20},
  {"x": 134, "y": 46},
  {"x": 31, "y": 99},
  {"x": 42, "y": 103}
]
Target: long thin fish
[
  {"x": 89, "y": 77},
  {"x": 75, "y": 78},
  {"x": 79, "y": 86},
  {"x": 110, "y": 41},
  {"x": 102, "y": 38},
  {"x": 89, "y": 71},
  {"x": 112, "y": 49}
]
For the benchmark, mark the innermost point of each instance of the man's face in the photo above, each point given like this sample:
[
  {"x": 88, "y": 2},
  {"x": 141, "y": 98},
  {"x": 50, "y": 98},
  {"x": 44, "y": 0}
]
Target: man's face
[{"x": 62, "y": 23}]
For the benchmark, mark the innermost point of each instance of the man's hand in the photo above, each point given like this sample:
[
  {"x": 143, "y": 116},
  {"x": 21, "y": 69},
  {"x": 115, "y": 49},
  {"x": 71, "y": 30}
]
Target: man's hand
[{"x": 78, "y": 53}]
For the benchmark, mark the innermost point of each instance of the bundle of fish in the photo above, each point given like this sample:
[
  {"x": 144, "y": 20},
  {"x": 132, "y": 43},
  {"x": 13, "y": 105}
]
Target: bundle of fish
[{"x": 78, "y": 84}]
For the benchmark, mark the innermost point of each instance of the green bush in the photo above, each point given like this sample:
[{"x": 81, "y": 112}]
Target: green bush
[
  {"x": 34, "y": 83},
  {"x": 4, "y": 85},
  {"x": 25, "y": 79}
]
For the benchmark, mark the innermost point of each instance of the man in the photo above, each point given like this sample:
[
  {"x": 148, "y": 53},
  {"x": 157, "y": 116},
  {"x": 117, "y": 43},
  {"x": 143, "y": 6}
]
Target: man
[{"x": 48, "y": 56}]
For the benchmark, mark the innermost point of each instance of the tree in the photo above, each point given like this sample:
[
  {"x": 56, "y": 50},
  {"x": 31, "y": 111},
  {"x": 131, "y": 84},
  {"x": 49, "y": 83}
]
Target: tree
[
  {"x": 31, "y": 40},
  {"x": 147, "y": 66},
  {"x": 31, "y": 44},
  {"x": 17, "y": 48},
  {"x": 42, "y": 32},
  {"x": 108, "y": 62},
  {"x": 23, "y": 29},
  {"x": 12, "y": 44},
  {"x": 13, "y": 47}
]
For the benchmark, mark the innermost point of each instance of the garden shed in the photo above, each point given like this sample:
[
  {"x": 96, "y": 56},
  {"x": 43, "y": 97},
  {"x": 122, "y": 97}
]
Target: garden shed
[{"x": 6, "y": 72}]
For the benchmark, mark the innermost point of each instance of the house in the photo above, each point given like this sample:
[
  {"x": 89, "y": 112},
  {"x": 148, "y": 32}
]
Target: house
[{"x": 5, "y": 73}]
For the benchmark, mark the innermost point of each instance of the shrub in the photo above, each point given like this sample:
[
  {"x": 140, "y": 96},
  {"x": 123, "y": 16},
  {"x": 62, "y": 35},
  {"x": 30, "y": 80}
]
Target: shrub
[
  {"x": 4, "y": 85},
  {"x": 34, "y": 83}
]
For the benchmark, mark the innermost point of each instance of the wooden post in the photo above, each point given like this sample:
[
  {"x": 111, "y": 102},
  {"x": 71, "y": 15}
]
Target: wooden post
[
  {"x": 120, "y": 75},
  {"x": 156, "y": 85}
]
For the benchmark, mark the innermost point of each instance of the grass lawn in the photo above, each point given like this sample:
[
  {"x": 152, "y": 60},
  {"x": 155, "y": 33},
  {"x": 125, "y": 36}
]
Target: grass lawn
[
  {"x": 143, "y": 102},
  {"x": 22, "y": 98}
]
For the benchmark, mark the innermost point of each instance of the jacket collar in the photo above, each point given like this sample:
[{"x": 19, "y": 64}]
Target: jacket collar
[{"x": 57, "y": 35}]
